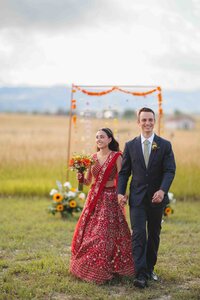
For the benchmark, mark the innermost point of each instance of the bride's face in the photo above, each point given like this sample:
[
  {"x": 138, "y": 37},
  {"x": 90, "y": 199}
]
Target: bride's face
[{"x": 102, "y": 140}]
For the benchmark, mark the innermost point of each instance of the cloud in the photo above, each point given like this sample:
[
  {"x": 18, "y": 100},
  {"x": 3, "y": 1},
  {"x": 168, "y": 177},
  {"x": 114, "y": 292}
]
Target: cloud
[
  {"x": 181, "y": 46},
  {"x": 48, "y": 41},
  {"x": 53, "y": 15},
  {"x": 18, "y": 51},
  {"x": 70, "y": 14}
]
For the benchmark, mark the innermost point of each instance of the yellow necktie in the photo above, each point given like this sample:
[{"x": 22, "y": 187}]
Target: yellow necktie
[{"x": 146, "y": 152}]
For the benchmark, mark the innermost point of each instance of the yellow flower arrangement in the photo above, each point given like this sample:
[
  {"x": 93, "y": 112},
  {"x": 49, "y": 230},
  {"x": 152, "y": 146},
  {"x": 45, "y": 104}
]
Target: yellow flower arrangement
[
  {"x": 66, "y": 200},
  {"x": 168, "y": 210}
]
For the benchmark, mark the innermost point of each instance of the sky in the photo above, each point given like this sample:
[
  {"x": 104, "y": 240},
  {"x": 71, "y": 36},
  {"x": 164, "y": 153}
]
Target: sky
[{"x": 100, "y": 42}]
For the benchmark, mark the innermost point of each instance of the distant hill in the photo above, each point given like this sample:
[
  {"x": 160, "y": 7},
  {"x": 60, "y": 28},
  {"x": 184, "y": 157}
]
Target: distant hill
[
  {"x": 53, "y": 99},
  {"x": 34, "y": 99}
]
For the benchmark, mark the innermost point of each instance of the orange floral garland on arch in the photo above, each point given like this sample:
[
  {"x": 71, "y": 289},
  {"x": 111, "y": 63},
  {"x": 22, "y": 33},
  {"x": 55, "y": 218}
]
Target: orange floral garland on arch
[{"x": 116, "y": 88}]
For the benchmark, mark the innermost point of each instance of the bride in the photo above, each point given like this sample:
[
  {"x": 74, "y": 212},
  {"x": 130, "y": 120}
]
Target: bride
[{"x": 101, "y": 245}]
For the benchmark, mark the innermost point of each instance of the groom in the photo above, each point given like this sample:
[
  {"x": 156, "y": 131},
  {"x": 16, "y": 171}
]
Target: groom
[{"x": 150, "y": 160}]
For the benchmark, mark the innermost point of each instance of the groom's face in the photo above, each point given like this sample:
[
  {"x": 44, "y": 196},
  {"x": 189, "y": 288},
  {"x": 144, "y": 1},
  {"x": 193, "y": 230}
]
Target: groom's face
[{"x": 146, "y": 122}]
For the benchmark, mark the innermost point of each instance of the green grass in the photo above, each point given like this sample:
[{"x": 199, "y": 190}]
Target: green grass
[
  {"x": 35, "y": 253},
  {"x": 186, "y": 182},
  {"x": 32, "y": 179},
  {"x": 39, "y": 179}
]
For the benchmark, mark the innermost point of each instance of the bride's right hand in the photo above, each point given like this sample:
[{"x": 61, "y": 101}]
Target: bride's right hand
[
  {"x": 122, "y": 200},
  {"x": 79, "y": 175}
]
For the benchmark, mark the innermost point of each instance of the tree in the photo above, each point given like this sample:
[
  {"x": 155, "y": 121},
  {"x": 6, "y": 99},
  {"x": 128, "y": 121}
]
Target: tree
[{"x": 129, "y": 114}]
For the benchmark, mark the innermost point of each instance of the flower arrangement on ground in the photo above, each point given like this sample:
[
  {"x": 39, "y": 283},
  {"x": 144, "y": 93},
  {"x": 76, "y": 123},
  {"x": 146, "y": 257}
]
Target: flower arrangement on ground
[
  {"x": 80, "y": 163},
  {"x": 66, "y": 199},
  {"x": 169, "y": 207}
]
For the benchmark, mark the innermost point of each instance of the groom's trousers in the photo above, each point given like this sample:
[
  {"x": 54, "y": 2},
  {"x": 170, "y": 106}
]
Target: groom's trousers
[{"x": 146, "y": 226}]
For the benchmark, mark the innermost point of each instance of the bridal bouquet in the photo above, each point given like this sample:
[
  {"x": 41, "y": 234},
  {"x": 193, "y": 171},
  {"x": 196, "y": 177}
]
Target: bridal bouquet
[
  {"x": 65, "y": 199},
  {"x": 80, "y": 163}
]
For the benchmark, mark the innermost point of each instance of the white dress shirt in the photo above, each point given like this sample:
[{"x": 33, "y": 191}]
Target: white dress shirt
[{"x": 150, "y": 139}]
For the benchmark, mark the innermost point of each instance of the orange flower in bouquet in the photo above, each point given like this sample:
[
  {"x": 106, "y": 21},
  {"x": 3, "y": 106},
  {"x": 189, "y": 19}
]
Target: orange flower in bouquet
[{"x": 80, "y": 163}]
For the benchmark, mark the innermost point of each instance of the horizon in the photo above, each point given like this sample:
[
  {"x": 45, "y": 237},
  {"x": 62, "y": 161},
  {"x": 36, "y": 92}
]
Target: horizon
[
  {"x": 54, "y": 98},
  {"x": 69, "y": 86}
]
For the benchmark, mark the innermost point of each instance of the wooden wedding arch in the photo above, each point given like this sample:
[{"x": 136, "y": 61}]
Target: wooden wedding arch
[{"x": 99, "y": 91}]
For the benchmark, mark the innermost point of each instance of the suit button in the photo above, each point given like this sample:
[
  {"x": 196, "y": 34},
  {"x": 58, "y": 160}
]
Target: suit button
[
  {"x": 147, "y": 185},
  {"x": 147, "y": 175}
]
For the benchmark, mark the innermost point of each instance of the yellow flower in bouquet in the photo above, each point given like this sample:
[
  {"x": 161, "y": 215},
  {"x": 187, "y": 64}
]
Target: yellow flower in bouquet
[{"x": 81, "y": 163}]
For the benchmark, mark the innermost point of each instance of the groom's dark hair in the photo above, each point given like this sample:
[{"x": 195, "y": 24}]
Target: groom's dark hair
[{"x": 145, "y": 109}]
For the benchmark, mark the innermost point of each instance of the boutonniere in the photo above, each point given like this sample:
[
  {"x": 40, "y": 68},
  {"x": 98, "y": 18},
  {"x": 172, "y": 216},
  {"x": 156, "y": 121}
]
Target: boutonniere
[{"x": 154, "y": 146}]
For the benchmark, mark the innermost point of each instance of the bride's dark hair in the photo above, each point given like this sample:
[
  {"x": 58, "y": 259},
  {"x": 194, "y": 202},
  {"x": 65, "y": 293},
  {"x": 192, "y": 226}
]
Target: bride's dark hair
[{"x": 113, "y": 145}]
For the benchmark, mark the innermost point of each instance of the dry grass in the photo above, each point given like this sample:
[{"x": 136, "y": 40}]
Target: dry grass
[{"x": 32, "y": 139}]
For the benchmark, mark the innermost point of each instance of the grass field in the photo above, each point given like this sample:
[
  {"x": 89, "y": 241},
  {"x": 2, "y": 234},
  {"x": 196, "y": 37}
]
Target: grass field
[
  {"x": 35, "y": 253},
  {"x": 35, "y": 246},
  {"x": 33, "y": 152}
]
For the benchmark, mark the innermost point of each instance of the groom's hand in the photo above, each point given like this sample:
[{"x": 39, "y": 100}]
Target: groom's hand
[
  {"x": 158, "y": 196},
  {"x": 122, "y": 200}
]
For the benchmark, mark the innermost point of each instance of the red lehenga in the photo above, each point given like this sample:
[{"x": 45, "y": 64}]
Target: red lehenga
[{"x": 101, "y": 246}]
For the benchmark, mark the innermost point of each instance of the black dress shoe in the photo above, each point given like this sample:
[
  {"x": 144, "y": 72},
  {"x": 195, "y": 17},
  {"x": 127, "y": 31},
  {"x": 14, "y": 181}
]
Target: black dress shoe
[
  {"x": 140, "y": 283},
  {"x": 153, "y": 276}
]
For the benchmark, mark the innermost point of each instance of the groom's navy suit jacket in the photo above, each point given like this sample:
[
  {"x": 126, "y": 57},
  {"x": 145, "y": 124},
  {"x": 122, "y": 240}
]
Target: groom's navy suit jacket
[{"x": 146, "y": 181}]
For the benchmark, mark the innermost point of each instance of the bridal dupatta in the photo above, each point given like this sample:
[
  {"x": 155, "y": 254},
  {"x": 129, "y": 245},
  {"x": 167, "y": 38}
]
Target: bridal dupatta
[{"x": 92, "y": 199}]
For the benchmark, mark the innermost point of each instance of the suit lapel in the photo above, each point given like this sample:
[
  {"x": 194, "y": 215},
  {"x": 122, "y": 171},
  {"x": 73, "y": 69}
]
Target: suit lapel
[
  {"x": 153, "y": 152},
  {"x": 139, "y": 151}
]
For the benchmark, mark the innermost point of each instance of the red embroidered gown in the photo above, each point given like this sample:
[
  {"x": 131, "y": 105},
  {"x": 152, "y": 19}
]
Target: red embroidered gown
[{"x": 102, "y": 246}]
